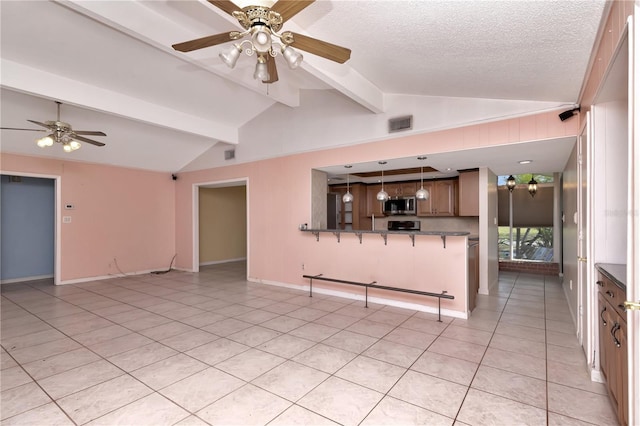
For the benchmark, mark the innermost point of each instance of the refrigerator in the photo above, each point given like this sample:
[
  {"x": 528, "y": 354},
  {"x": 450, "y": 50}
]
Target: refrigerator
[{"x": 334, "y": 206}]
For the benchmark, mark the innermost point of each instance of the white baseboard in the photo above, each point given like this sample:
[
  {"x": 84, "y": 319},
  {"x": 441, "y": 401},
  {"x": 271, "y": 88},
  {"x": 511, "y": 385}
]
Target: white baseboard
[
  {"x": 354, "y": 296},
  {"x": 24, "y": 279},
  {"x": 596, "y": 376},
  {"x": 217, "y": 262},
  {"x": 106, "y": 277}
]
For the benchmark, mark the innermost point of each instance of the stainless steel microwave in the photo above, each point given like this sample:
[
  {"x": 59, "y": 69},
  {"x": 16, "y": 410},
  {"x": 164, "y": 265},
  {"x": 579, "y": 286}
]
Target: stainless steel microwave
[{"x": 400, "y": 206}]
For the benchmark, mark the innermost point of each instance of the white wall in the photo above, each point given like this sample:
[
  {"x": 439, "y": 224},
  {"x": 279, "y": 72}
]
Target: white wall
[
  {"x": 570, "y": 231},
  {"x": 346, "y": 123},
  {"x": 610, "y": 167},
  {"x": 488, "y": 230}
]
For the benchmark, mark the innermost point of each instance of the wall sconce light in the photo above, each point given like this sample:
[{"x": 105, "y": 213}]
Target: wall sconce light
[
  {"x": 511, "y": 183},
  {"x": 348, "y": 197},
  {"x": 533, "y": 186},
  {"x": 568, "y": 114}
]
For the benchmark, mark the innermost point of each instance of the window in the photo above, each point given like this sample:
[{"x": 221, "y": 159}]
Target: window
[{"x": 525, "y": 223}]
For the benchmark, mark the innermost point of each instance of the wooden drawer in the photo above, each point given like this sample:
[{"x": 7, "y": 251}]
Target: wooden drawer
[{"x": 612, "y": 293}]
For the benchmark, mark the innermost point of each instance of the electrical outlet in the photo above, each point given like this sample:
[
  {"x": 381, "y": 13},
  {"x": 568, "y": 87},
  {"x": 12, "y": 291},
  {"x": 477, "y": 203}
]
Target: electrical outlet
[{"x": 303, "y": 266}]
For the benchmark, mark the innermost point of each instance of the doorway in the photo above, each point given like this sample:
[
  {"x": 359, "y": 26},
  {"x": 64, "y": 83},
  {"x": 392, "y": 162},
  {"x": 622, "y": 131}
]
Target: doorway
[
  {"x": 220, "y": 223},
  {"x": 29, "y": 248}
]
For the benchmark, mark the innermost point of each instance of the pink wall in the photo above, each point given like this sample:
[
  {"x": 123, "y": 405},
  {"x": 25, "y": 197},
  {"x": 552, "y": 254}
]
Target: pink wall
[
  {"x": 613, "y": 29},
  {"x": 279, "y": 191},
  {"x": 142, "y": 218},
  {"x": 119, "y": 213}
]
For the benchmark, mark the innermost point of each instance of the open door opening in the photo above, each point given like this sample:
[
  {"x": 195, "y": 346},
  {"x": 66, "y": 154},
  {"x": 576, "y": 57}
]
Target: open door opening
[
  {"x": 29, "y": 246},
  {"x": 221, "y": 228}
]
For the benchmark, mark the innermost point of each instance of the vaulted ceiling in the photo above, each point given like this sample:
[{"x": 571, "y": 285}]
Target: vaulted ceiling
[{"x": 447, "y": 63}]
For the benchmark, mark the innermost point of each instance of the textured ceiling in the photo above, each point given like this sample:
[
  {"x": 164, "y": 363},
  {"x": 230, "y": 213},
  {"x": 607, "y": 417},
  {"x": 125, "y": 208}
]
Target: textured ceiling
[{"x": 112, "y": 64}]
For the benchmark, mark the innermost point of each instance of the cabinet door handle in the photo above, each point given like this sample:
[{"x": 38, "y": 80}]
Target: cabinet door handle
[
  {"x": 615, "y": 328},
  {"x": 623, "y": 307},
  {"x": 600, "y": 283},
  {"x": 609, "y": 293},
  {"x": 604, "y": 321}
]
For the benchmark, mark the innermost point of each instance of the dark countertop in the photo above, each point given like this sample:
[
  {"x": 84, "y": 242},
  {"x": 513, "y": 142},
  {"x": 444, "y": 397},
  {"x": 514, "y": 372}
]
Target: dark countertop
[
  {"x": 615, "y": 272},
  {"x": 385, "y": 231}
]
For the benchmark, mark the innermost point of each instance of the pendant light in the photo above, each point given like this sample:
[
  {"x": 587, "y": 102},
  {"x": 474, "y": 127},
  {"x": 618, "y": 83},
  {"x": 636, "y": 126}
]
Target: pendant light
[
  {"x": 382, "y": 195},
  {"x": 511, "y": 183},
  {"x": 422, "y": 194},
  {"x": 533, "y": 186},
  {"x": 348, "y": 197}
]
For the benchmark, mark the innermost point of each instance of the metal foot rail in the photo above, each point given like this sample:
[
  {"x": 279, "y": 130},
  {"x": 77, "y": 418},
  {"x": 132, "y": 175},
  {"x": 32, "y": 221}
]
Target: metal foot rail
[{"x": 373, "y": 284}]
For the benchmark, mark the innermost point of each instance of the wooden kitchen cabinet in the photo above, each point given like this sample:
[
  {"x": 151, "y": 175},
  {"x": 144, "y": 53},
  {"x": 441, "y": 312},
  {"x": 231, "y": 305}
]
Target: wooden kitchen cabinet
[
  {"x": 469, "y": 193},
  {"x": 374, "y": 207},
  {"x": 400, "y": 189},
  {"x": 612, "y": 327},
  {"x": 443, "y": 199},
  {"x": 350, "y": 214}
]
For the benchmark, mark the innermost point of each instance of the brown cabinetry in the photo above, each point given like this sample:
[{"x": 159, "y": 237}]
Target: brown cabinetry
[
  {"x": 401, "y": 189},
  {"x": 612, "y": 327},
  {"x": 374, "y": 207},
  {"x": 350, "y": 213},
  {"x": 469, "y": 193},
  {"x": 443, "y": 199},
  {"x": 474, "y": 273}
]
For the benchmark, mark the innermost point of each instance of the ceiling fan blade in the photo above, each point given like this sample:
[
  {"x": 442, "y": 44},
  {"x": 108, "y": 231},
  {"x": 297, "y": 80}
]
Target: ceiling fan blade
[
  {"x": 201, "y": 43},
  {"x": 87, "y": 140},
  {"x": 321, "y": 48},
  {"x": 89, "y": 132},
  {"x": 17, "y": 128},
  {"x": 225, "y": 5},
  {"x": 289, "y": 8},
  {"x": 273, "y": 70},
  {"x": 40, "y": 124}
]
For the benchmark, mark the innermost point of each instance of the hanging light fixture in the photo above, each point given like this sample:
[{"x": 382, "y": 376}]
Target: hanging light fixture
[
  {"x": 261, "y": 72},
  {"x": 533, "y": 186},
  {"x": 382, "y": 195},
  {"x": 348, "y": 197},
  {"x": 511, "y": 183},
  {"x": 262, "y": 29},
  {"x": 422, "y": 194}
]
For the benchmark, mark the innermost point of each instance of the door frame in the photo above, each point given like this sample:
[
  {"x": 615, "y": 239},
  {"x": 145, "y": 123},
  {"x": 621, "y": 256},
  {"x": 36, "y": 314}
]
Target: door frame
[
  {"x": 585, "y": 265},
  {"x": 57, "y": 210},
  {"x": 633, "y": 247},
  {"x": 195, "y": 214}
]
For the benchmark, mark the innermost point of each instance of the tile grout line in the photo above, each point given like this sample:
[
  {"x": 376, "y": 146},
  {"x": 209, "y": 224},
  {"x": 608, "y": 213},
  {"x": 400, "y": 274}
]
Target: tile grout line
[{"x": 487, "y": 348}]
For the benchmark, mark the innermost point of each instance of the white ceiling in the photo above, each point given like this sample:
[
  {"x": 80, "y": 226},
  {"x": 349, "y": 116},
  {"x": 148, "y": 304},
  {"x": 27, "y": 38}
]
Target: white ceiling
[{"x": 111, "y": 64}]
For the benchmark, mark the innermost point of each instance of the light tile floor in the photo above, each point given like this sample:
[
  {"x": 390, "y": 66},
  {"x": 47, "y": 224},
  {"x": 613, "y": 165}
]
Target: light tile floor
[{"x": 212, "y": 348}]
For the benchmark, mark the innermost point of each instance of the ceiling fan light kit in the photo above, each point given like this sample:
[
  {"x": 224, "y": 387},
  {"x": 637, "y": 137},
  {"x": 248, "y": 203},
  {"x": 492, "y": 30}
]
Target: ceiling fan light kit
[
  {"x": 262, "y": 24},
  {"x": 62, "y": 133}
]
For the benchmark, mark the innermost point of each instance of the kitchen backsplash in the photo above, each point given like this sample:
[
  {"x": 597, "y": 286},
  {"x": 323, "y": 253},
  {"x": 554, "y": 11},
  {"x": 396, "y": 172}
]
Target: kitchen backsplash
[{"x": 451, "y": 224}]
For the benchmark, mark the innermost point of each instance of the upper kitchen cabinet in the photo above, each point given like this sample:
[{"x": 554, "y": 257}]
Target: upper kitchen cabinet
[
  {"x": 469, "y": 193},
  {"x": 401, "y": 189},
  {"x": 443, "y": 199},
  {"x": 374, "y": 207}
]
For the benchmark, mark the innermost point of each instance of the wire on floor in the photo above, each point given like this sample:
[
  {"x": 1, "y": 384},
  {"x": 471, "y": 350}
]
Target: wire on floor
[{"x": 170, "y": 267}]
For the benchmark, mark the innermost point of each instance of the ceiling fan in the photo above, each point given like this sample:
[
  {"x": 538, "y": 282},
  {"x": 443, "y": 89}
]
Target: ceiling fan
[
  {"x": 262, "y": 24},
  {"x": 61, "y": 132}
]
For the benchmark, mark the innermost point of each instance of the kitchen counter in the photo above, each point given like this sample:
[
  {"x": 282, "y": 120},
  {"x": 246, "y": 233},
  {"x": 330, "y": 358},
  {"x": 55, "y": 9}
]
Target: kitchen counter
[
  {"x": 384, "y": 233},
  {"x": 615, "y": 272},
  {"x": 424, "y": 261}
]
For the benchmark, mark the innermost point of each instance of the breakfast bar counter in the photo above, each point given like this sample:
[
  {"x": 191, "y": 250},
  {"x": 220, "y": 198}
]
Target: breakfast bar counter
[{"x": 424, "y": 261}]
